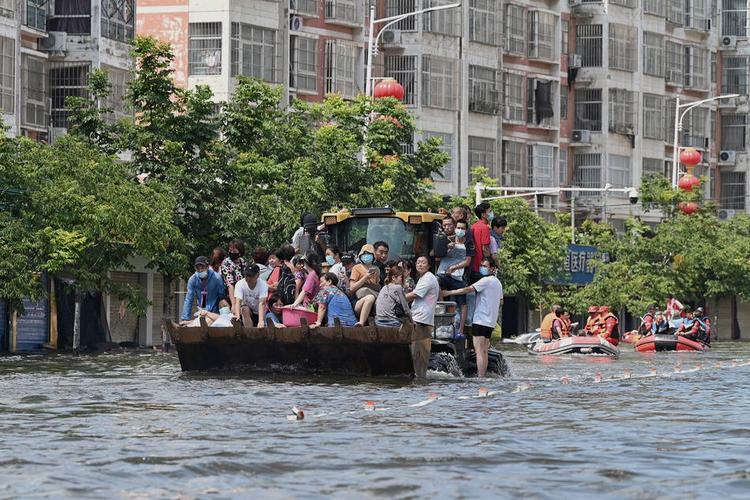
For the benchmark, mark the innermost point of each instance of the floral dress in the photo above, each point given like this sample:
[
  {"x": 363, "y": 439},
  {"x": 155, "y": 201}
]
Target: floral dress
[{"x": 233, "y": 272}]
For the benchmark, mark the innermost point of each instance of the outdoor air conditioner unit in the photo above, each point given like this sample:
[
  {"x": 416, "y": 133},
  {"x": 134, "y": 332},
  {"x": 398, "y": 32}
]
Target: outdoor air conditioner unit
[
  {"x": 726, "y": 213},
  {"x": 575, "y": 61},
  {"x": 583, "y": 136},
  {"x": 56, "y": 41},
  {"x": 729, "y": 42},
  {"x": 728, "y": 157},
  {"x": 295, "y": 23},
  {"x": 391, "y": 37},
  {"x": 730, "y": 102}
]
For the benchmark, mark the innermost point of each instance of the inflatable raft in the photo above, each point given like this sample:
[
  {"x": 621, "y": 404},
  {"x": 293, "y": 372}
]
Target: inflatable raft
[
  {"x": 668, "y": 342},
  {"x": 574, "y": 345}
]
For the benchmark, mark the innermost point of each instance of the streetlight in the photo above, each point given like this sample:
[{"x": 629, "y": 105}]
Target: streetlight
[{"x": 678, "y": 128}]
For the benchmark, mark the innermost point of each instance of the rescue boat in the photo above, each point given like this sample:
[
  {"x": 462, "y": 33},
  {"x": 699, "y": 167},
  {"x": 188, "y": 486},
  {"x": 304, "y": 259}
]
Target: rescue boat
[
  {"x": 630, "y": 337},
  {"x": 574, "y": 345},
  {"x": 668, "y": 342}
]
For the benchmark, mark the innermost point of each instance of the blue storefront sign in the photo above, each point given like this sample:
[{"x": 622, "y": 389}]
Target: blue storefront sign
[{"x": 580, "y": 264}]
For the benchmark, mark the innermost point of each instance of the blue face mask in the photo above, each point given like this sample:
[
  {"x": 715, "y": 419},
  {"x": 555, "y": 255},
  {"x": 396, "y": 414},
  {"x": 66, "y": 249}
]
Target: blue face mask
[
  {"x": 331, "y": 261},
  {"x": 491, "y": 215},
  {"x": 225, "y": 311},
  {"x": 484, "y": 271},
  {"x": 202, "y": 274},
  {"x": 460, "y": 233},
  {"x": 367, "y": 258}
]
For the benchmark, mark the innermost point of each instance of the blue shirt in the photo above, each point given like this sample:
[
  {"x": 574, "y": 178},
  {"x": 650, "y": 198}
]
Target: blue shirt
[
  {"x": 213, "y": 285},
  {"x": 338, "y": 305}
]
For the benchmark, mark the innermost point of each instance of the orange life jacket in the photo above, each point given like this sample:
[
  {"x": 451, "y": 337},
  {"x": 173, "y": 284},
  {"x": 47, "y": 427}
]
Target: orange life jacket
[
  {"x": 603, "y": 325},
  {"x": 592, "y": 325},
  {"x": 565, "y": 327},
  {"x": 546, "y": 328}
]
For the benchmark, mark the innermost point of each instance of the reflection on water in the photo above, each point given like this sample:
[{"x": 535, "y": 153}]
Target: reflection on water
[{"x": 133, "y": 425}]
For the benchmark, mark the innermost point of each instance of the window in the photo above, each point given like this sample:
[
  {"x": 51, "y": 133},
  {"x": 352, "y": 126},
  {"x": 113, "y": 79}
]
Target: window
[
  {"x": 118, "y": 19},
  {"x": 539, "y": 102},
  {"x": 7, "y": 9},
  {"x": 713, "y": 67},
  {"x": 588, "y": 109},
  {"x": 653, "y": 54},
  {"x": 563, "y": 102},
  {"x": 485, "y": 25},
  {"x": 589, "y": 44},
  {"x": 118, "y": 80},
  {"x": 653, "y": 166},
  {"x": 588, "y": 172},
  {"x": 35, "y": 13},
  {"x": 446, "y": 21},
  {"x": 733, "y": 132},
  {"x": 541, "y": 165},
  {"x": 695, "y": 14},
  {"x": 74, "y": 18},
  {"x": 483, "y": 90},
  {"x": 732, "y": 190},
  {"x": 631, "y": 4},
  {"x": 204, "y": 50},
  {"x": 655, "y": 7},
  {"x": 653, "y": 116},
  {"x": 404, "y": 70},
  {"x": 563, "y": 167},
  {"x": 348, "y": 12},
  {"x": 341, "y": 68},
  {"x": 513, "y": 97},
  {"x": 564, "y": 37},
  {"x": 515, "y": 34},
  {"x": 34, "y": 94},
  {"x": 438, "y": 82},
  {"x": 694, "y": 129},
  {"x": 306, "y": 7},
  {"x": 398, "y": 7},
  {"x": 695, "y": 67},
  {"x": 622, "y": 107},
  {"x": 734, "y": 78},
  {"x": 512, "y": 165},
  {"x": 304, "y": 75},
  {"x": 254, "y": 52},
  {"x": 66, "y": 80},
  {"x": 618, "y": 172},
  {"x": 446, "y": 147},
  {"x": 675, "y": 11},
  {"x": 734, "y": 17},
  {"x": 483, "y": 153},
  {"x": 669, "y": 111},
  {"x": 542, "y": 31},
  {"x": 7, "y": 75},
  {"x": 622, "y": 47},
  {"x": 674, "y": 63}
]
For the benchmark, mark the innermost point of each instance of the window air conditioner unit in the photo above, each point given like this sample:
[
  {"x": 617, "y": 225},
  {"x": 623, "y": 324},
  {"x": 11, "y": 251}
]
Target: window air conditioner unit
[
  {"x": 729, "y": 42},
  {"x": 391, "y": 37},
  {"x": 295, "y": 23},
  {"x": 575, "y": 61},
  {"x": 56, "y": 41},
  {"x": 728, "y": 157},
  {"x": 730, "y": 102},
  {"x": 583, "y": 136},
  {"x": 726, "y": 213}
]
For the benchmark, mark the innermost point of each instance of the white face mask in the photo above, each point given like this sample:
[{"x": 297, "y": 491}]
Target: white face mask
[
  {"x": 202, "y": 274},
  {"x": 224, "y": 311}
]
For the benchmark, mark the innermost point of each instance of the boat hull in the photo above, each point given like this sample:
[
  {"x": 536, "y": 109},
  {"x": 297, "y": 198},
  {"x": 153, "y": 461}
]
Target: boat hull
[
  {"x": 659, "y": 343},
  {"x": 574, "y": 345},
  {"x": 367, "y": 351}
]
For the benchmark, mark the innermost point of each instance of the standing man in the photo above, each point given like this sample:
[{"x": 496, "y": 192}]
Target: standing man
[
  {"x": 489, "y": 292},
  {"x": 251, "y": 297},
  {"x": 381, "y": 257},
  {"x": 425, "y": 297},
  {"x": 205, "y": 286},
  {"x": 481, "y": 233},
  {"x": 233, "y": 267},
  {"x": 450, "y": 272}
]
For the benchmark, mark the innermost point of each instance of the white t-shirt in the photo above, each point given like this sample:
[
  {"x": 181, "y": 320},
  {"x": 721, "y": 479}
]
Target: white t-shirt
[
  {"x": 427, "y": 291},
  {"x": 489, "y": 294},
  {"x": 251, "y": 296}
]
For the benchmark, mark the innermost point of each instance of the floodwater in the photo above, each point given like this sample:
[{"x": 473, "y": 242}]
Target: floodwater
[{"x": 132, "y": 425}]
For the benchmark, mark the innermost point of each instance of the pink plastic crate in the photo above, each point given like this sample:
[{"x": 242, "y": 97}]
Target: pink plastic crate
[{"x": 291, "y": 317}]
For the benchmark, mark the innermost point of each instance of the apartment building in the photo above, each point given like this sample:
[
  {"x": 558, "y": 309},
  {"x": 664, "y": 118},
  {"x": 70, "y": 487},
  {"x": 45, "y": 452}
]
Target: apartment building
[{"x": 47, "y": 51}]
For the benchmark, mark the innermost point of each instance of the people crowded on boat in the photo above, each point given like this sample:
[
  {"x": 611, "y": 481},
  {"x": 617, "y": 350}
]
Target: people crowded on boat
[
  {"x": 695, "y": 326},
  {"x": 205, "y": 287}
]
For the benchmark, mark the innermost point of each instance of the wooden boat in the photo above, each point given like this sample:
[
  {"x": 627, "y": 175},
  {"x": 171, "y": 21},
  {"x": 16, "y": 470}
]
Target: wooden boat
[{"x": 369, "y": 351}]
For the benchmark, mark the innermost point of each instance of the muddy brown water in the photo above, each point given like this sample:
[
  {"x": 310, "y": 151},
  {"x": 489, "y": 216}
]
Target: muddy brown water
[{"x": 132, "y": 425}]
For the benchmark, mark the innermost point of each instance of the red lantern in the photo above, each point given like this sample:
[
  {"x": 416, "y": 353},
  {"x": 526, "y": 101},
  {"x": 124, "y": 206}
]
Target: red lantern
[
  {"x": 687, "y": 182},
  {"x": 389, "y": 88},
  {"x": 688, "y": 207},
  {"x": 690, "y": 157}
]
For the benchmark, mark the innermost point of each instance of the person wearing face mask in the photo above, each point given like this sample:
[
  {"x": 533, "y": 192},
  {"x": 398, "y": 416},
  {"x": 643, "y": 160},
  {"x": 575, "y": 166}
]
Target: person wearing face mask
[
  {"x": 481, "y": 234},
  {"x": 450, "y": 271},
  {"x": 206, "y": 287},
  {"x": 233, "y": 267},
  {"x": 461, "y": 216},
  {"x": 489, "y": 292},
  {"x": 333, "y": 258},
  {"x": 364, "y": 283},
  {"x": 222, "y": 319}
]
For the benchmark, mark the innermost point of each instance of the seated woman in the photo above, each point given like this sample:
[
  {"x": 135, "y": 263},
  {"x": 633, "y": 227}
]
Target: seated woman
[
  {"x": 333, "y": 303},
  {"x": 273, "y": 316},
  {"x": 311, "y": 285},
  {"x": 224, "y": 318},
  {"x": 392, "y": 307},
  {"x": 364, "y": 283}
]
